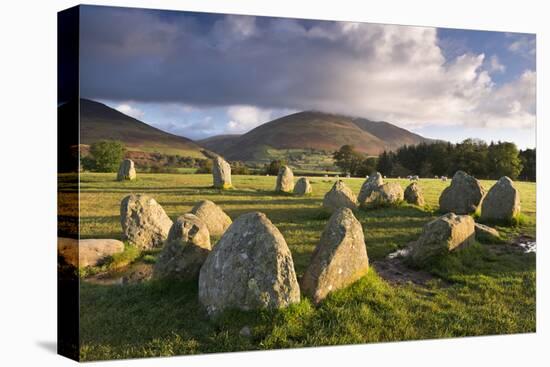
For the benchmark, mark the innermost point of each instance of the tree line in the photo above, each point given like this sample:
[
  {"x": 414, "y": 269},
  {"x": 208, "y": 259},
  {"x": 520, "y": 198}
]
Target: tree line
[{"x": 486, "y": 161}]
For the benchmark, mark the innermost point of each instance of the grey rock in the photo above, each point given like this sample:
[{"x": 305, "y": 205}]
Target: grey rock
[
  {"x": 221, "y": 173},
  {"x": 339, "y": 259},
  {"x": 144, "y": 222},
  {"x": 502, "y": 202},
  {"x": 339, "y": 196},
  {"x": 250, "y": 268},
  {"x": 372, "y": 182},
  {"x": 89, "y": 252},
  {"x": 390, "y": 193},
  {"x": 126, "y": 170},
  {"x": 443, "y": 235},
  {"x": 285, "y": 180},
  {"x": 302, "y": 187},
  {"x": 414, "y": 194},
  {"x": 213, "y": 216},
  {"x": 185, "y": 249},
  {"x": 462, "y": 196}
]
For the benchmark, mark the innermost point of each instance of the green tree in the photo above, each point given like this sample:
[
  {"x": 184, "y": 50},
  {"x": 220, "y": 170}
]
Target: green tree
[
  {"x": 529, "y": 160},
  {"x": 503, "y": 160},
  {"x": 273, "y": 167},
  {"x": 205, "y": 166},
  {"x": 105, "y": 155},
  {"x": 367, "y": 167},
  {"x": 386, "y": 162},
  {"x": 348, "y": 159}
]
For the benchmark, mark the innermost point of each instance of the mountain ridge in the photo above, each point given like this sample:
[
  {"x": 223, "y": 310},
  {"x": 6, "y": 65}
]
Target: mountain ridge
[
  {"x": 313, "y": 130},
  {"x": 99, "y": 122}
]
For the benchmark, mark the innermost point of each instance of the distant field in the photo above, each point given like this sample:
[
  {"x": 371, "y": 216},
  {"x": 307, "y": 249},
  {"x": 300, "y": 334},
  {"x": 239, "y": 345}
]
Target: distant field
[{"x": 477, "y": 291}]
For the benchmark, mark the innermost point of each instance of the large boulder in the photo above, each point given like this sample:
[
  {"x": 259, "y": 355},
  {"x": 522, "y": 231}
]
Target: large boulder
[
  {"x": 442, "y": 235},
  {"x": 302, "y": 187},
  {"x": 371, "y": 183},
  {"x": 389, "y": 193},
  {"x": 126, "y": 170},
  {"x": 221, "y": 173},
  {"x": 339, "y": 196},
  {"x": 414, "y": 194},
  {"x": 250, "y": 268},
  {"x": 185, "y": 249},
  {"x": 285, "y": 180},
  {"x": 339, "y": 259},
  {"x": 502, "y": 202},
  {"x": 462, "y": 196},
  {"x": 144, "y": 222},
  {"x": 213, "y": 216},
  {"x": 89, "y": 252}
]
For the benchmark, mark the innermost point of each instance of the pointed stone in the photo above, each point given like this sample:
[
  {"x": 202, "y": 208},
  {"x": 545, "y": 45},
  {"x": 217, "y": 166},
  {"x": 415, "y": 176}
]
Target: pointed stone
[
  {"x": 443, "y": 235},
  {"x": 144, "y": 222},
  {"x": 339, "y": 259},
  {"x": 213, "y": 216},
  {"x": 502, "y": 203},
  {"x": 221, "y": 173},
  {"x": 339, "y": 196},
  {"x": 251, "y": 267},
  {"x": 126, "y": 170},
  {"x": 302, "y": 187},
  {"x": 462, "y": 196},
  {"x": 285, "y": 180},
  {"x": 185, "y": 249},
  {"x": 371, "y": 183},
  {"x": 414, "y": 194}
]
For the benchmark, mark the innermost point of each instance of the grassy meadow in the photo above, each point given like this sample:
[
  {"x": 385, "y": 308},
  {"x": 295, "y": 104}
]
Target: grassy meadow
[{"x": 482, "y": 290}]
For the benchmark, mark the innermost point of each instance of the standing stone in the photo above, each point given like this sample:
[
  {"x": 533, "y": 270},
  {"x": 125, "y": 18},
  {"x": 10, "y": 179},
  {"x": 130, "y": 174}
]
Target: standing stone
[
  {"x": 185, "y": 249},
  {"x": 144, "y": 222},
  {"x": 502, "y": 202},
  {"x": 89, "y": 252},
  {"x": 126, "y": 170},
  {"x": 340, "y": 196},
  {"x": 371, "y": 183},
  {"x": 250, "y": 268},
  {"x": 443, "y": 235},
  {"x": 285, "y": 180},
  {"x": 213, "y": 216},
  {"x": 390, "y": 193},
  {"x": 339, "y": 259},
  {"x": 414, "y": 195},
  {"x": 221, "y": 172},
  {"x": 303, "y": 187},
  {"x": 462, "y": 196}
]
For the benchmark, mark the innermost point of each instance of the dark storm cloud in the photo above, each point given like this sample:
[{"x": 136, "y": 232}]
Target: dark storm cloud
[
  {"x": 396, "y": 73},
  {"x": 140, "y": 55}
]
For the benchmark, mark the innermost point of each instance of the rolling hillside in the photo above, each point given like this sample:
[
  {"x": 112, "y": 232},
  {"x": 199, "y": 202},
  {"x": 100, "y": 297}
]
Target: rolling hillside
[
  {"x": 311, "y": 130},
  {"x": 98, "y": 122}
]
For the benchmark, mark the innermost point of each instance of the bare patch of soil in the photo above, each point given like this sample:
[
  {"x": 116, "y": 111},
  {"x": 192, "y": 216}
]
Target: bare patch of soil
[{"x": 393, "y": 270}]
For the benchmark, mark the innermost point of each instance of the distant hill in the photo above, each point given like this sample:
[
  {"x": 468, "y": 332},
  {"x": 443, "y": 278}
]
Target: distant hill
[
  {"x": 98, "y": 122},
  {"x": 312, "y": 130}
]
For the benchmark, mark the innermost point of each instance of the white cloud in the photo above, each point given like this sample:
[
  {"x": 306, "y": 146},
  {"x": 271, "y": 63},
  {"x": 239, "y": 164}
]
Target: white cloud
[
  {"x": 245, "y": 118},
  {"x": 130, "y": 111},
  {"x": 523, "y": 46},
  {"x": 495, "y": 66}
]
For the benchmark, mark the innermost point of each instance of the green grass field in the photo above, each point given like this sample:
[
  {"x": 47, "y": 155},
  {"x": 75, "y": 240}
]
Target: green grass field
[{"x": 483, "y": 290}]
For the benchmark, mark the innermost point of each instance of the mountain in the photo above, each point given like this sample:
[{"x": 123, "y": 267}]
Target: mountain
[
  {"x": 98, "y": 122},
  {"x": 312, "y": 130}
]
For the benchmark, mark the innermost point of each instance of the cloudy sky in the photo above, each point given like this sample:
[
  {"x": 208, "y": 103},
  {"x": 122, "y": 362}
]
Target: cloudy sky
[{"x": 197, "y": 75}]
